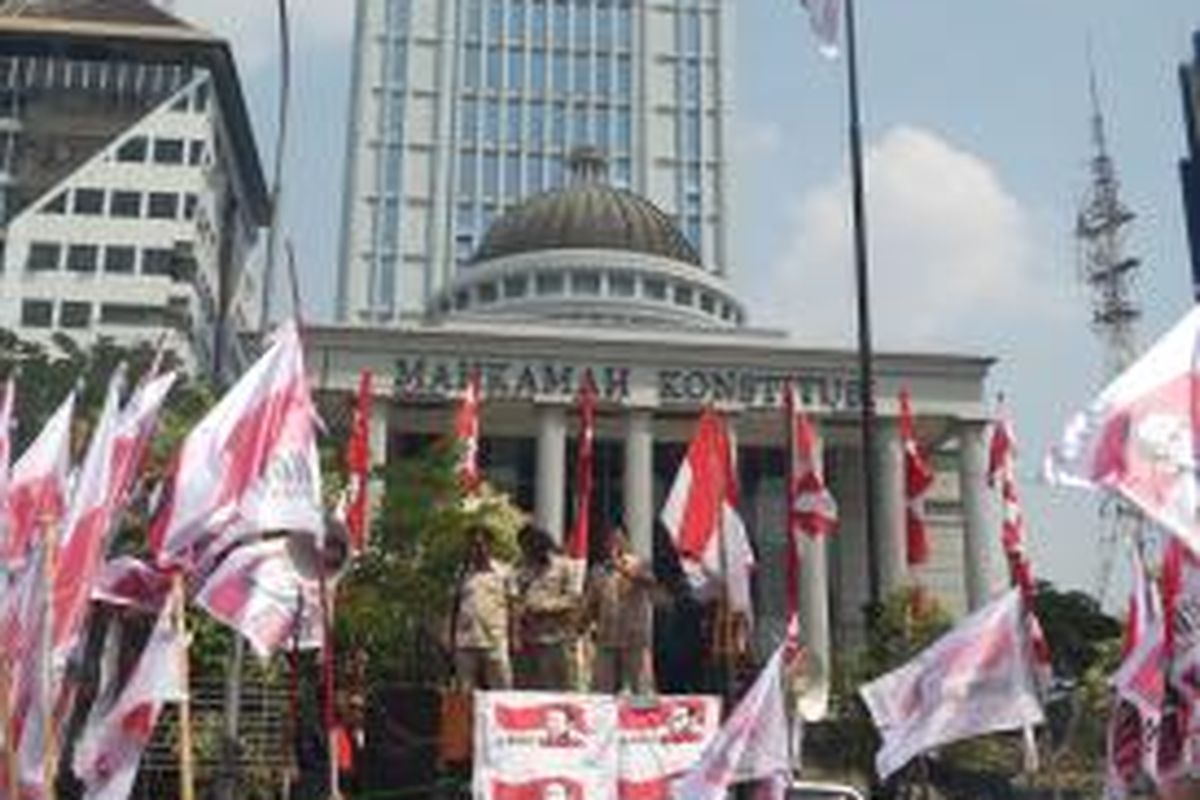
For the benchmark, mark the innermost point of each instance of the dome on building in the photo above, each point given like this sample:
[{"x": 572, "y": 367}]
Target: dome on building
[{"x": 589, "y": 214}]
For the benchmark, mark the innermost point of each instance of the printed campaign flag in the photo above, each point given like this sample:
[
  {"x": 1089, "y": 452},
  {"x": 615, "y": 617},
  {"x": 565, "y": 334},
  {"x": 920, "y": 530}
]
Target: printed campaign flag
[
  {"x": 1137, "y": 438},
  {"x": 37, "y": 488},
  {"x": 977, "y": 679},
  {"x": 523, "y": 738},
  {"x": 660, "y": 739},
  {"x": 825, "y": 16},
  {"x": 467, "y": 432}
]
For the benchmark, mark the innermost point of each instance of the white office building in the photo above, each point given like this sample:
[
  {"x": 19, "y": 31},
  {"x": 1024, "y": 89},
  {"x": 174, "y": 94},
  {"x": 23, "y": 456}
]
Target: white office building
[
  {"x": 463, "y": 108},
  {"x": 131, "y": 194}
]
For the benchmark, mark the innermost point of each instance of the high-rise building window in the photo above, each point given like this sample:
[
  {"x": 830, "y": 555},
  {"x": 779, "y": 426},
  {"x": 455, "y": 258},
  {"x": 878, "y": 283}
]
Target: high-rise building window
[
  {"x": 133, "y": 151},
  {"x": 558, "y": 125},
  {"x": 466, "y": 172},
  {"x": 472, "y": 66},
  {"x": 603, "y": 76},
  {"x": 624, "y": 130},
  {"x": 119, "y": 259},
  {"x": 516, "y": 69},
  {"x": 604, "y": 24},
  {"x": 624, "y": 77},
  {"x": 583, "y": 25},
  {"x": 491, "y": 175},
  {"x": 495, "y": 21},
  {"x": 158, "y": 261},
  {"x": 56, "y": 204},
  {"x": 512, "y": 176},
  {"x": 43, "y": 257},
  {"x": 168, "y": 151},
  {"x": 163, "y": 205},
  {"x": 37, "y": 313},
  {"x": 537, "y": 123},
  {"x": 514, "y": 123},
  {"x": 82, "y": 257},
  {"x": 491, "y": 121},
  {"x": 579, "y": 126},
  {"x": 89, "y": 201},
  {"x": 583, "y": 73},
  {"x": 559, "y": 63},
  {"x": 75, "y": 315},
  {"x": 537, "y": 21},
  {"x": 195, "y": 152},
  {"x": 624, "y": 24},
  {"x": 603, "y": 137},
  {"x": 560, "y": 22},
  {"x": 691, "y": 31},
  {"x": 516, "y": 20},
  {"x": 534, "y": 174},
  {"x": 493, "y": 68},
  {"x": 537, "y": 70},
  {"x": 474, "y": 15},
  {"x": 470, "y": 119}
]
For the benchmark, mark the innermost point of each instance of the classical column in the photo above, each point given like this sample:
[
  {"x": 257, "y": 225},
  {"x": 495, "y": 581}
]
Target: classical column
[
  {"x": 972, "y": 481},
  {"x": 549, "y": 492},
  {"x": 639, "y": 481},
  {"x": 814, "y": 614},
  {"x": 377, "y": 430},
  {"x": 850, "y": 548},
  {"x": 891, "y": 545}
]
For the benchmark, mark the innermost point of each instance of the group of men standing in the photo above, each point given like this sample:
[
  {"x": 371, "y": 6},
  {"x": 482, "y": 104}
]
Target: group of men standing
[{"x": 542, "y": 625}]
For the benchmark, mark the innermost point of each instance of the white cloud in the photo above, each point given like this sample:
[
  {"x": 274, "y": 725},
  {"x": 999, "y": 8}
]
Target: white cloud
[
  {"x": 951, "y": 251},
  {"x": 757, "y": 140},
  {"x": 252, "y": 26}
]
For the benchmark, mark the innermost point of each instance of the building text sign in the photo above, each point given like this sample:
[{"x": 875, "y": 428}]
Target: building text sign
[{"x": 420, "y": 376}]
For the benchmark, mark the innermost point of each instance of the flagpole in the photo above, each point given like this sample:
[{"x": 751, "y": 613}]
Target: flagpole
[
  {"x": 327, "y": 676},
  {"x": 866, "y": 376},
  {"x": 187, "y": 764},
  {"x": 10, "y": 749}
]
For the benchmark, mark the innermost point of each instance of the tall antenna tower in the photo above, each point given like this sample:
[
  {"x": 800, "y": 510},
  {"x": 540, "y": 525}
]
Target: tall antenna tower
[{"x": 1101, "y": 229}]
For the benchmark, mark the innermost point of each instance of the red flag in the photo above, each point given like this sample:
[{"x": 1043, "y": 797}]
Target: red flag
[
  {"x": 6, "y": 424},
  {"x": 812, "y": 511},
  {"x": 1002, "y": 472},
  {"x": 358, "y": 465},
  {"x": 918, "y": 479},
  {"x": 577, "y": 548},
  {"x": 466, "y": 431}
]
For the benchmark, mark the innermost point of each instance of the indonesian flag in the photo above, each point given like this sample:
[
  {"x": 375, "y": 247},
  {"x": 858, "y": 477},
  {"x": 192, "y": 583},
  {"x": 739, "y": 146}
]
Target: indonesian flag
[
  {"x": 6, "y": 425},
  {"x": 358, "y": 465},
  {"x": 37, "y": 490},
  {"x": 129, "y": 582},
  {"x": 701, "y": 516},
  {"x": 918, "y": 480},
  {"x": 1002, "y": 473},
  {"x": 825, "y": 16},
  {"x": 466, "y": 432},
  {"x": 25, "y": 606},
  {"x": 250, "y": 465},
  {"x": 577, "y": 547},
  {"x": 1137, "y": 438},
  {"x": 260, "y": 592},
  {"x": 751, "y": 746},
  {"x": 1139, "y": 689},
  {"x": 136, "y": 427},
  {"x": 1177, "y": 755},
  {"x": 110, "y": 748},
  {"x": 977, "y": 679},
  {"x": 813, "y": 511}
]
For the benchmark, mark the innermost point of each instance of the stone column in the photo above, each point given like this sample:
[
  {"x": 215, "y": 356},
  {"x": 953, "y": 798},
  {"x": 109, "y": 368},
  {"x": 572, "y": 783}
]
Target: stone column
[
  {"x": 850, "y": 548},
  {"x": 814, "y": 614},
  {"x": 377, "y": 430},
  {"x": 639, "y": 482},
  {"x": 972, "y": 483},
  {"x": 550, "y": 489},
  {"x": 891, "y": 545}
]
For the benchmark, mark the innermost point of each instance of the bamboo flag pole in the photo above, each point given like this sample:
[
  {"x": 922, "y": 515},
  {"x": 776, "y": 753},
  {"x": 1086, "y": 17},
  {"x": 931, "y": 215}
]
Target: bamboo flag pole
[
  {"x": 50, "y": 752},
  {"x": 10, "y": 749},
  {"x": 327, "y": 673},
  {"x": 187, "y": 764}
]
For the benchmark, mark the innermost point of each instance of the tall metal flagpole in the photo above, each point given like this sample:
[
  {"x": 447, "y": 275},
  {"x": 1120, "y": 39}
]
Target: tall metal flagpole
[{"x": 866, "y": 370}]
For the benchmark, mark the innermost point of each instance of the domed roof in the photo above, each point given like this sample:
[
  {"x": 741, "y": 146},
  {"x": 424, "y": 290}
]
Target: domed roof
[{"x": 588, "y": 214}]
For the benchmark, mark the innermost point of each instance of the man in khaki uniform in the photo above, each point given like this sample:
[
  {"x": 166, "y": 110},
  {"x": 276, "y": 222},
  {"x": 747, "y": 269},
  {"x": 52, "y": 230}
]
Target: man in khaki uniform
[
  {"x": 548, "y": 606},
  {"x": 483, "y": 617},
  {"x": 620, "y": 608}
]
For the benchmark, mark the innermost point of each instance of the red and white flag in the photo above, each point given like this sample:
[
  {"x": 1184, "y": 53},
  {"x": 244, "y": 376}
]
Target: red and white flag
[
  {"x": 752, "y": 745},
  {"x": 977, "y": 679},
  {"x": 918, "y": 480},
  {"x": 701, "y": 516},
  {"x": 577, "y": 546},
  {"x": 260, "y": 592},
  {"x": 136, "y": 426},
  {"x": 89, "y": 519},
  {"x": 250, "y": 465},
  {"x": 466, "y": 433},
  {"x": 1139, "y": 689},
  {"x": 1137, "y": 437},
  {"x": 825, "y": 17},
  {"x": 110, "y": 748},
  {"x": 1002, "y": 473},
  {"x": 129, "y": 582},
  {"x": 358, "y": 466},
  {"x": 813, "y": 511},
  {"x": 37, "y": 489},
  {"x": 25, "y": 606},
  {"x": 6, "y": 426},
  {"x": 1178, "y": 753}
]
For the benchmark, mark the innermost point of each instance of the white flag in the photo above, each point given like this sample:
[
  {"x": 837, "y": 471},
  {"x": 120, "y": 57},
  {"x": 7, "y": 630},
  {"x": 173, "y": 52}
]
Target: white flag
[
  {"x": 110, "y": 748},
  {"x": 826, "y": 19},
  {"x": 1137, "y": 437},
  {"x": 977, "y": 679},
  {"x": 751, "y": 746}
]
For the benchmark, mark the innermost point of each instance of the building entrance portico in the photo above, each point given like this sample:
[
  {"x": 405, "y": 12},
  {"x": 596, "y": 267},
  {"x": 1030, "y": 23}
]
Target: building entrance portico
[{"x": 652, "y": 387}]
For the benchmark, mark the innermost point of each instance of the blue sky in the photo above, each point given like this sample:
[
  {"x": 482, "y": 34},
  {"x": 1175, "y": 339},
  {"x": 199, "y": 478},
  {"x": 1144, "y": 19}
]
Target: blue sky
[{"x": 976, "y": 115}]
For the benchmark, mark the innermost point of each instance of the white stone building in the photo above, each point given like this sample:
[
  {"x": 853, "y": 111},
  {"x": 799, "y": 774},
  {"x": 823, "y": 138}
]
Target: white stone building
[
  {"x": 131, "y": 194},
  {"x": 595, "y": 280},
  {"x": 463, "y": 108}
]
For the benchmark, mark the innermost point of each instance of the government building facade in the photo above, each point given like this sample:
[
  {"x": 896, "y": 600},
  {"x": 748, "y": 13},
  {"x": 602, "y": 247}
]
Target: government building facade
[{"x": 593, "y": 282}]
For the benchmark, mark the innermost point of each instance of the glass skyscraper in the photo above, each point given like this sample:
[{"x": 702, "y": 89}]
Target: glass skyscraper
[{"x": 462, "y": 108}]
